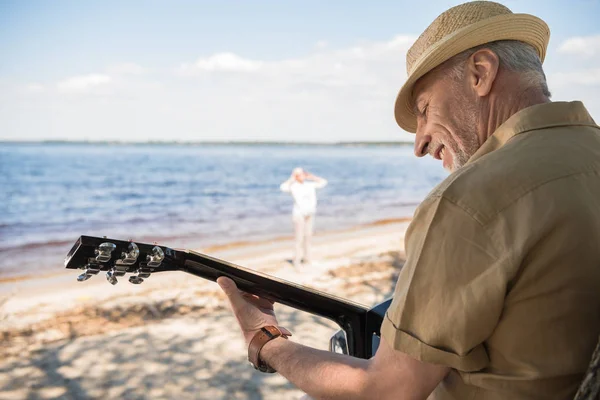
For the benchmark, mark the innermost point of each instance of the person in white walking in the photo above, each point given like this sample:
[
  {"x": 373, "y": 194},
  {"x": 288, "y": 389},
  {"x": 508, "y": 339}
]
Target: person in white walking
[{"x": 303, "y": 188}]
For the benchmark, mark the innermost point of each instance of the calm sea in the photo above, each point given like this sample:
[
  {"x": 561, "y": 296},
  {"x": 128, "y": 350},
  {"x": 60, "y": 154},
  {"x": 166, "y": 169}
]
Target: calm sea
[{"x": 189, "y": 196}]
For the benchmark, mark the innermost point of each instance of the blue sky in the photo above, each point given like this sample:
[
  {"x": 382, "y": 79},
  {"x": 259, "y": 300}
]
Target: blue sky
[{"x": 187, "y": 70}]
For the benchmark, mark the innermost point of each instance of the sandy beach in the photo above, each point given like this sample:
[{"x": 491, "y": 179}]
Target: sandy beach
[{"x": 173, "y": 336}]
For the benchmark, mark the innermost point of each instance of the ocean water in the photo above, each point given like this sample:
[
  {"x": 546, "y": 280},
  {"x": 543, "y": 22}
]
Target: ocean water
[{"x": 189, "y": 196}]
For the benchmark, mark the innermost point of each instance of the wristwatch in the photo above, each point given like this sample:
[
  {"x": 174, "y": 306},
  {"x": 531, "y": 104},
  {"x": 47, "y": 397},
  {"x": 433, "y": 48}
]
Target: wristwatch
[{"x": 262, "y": 337}]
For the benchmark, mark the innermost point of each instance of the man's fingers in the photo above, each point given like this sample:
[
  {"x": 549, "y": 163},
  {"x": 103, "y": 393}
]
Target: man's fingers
[
  {"x": 235, "y": 296},
  {"x": 227, "y": 285},
  {"x": 239, "y": 299},
  {"x": 257, "y": 300}
]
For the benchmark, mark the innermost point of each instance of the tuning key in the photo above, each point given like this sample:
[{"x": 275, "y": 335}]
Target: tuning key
[
  {"x": 133, "y": 252},
  {"x": 111, "y": 276},
  {"x": 104, "y": 251},
  {"x": 156, "y": 257},
  {"x": 88, "y": 272},
  {"x": 83, "y": 277},
  {"x": 142, "y": 273},
  {"x": 136, "y": 280}
]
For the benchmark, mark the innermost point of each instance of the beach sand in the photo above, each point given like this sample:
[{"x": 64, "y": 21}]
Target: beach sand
[{"x": 174, "y": 336}]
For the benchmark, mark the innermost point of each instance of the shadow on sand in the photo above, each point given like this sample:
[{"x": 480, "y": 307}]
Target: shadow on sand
[{"x": 181, "y": 356}]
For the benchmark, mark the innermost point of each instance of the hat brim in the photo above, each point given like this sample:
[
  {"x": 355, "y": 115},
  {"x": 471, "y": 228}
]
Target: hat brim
[{"x": 522, "y": 27}]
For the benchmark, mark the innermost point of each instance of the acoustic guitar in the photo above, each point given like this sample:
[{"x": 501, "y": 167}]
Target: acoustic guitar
[{"x": 359, "y": 335}]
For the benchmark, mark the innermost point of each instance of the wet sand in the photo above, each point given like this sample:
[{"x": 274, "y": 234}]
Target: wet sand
[{"x": 173, "y": 336}]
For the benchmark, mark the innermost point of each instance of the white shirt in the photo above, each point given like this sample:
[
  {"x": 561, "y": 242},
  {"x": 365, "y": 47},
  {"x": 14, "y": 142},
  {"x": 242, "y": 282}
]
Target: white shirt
[{"x": 304, "y": 194}]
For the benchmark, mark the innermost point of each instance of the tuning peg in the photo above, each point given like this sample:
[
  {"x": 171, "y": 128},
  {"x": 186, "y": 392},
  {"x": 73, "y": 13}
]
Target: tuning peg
[
  {"x": 142, "y": 273},
  {"x": 136, "y": 280},
  {"x": 104, "y": 251},
  {"x": 155, "y": 257},
  {"x": 88, "y": 272},
  {"x": 133, "y": 252},
  {"x": 83, "y": 277},
  {"x": 111, "y": 276}
]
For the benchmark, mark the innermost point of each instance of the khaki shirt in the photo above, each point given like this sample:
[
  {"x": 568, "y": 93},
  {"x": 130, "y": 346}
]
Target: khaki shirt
[{"x": 502, "y": 277}]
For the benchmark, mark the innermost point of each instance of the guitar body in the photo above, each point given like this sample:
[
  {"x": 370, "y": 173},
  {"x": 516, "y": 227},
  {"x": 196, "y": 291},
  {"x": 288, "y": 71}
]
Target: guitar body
[{"x": 359, "y": 335}]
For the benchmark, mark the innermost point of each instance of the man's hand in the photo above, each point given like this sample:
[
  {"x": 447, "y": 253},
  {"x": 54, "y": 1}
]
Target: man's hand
[
  {"x": 252, "y": 312},
  {"x": 390, "y": 374}
]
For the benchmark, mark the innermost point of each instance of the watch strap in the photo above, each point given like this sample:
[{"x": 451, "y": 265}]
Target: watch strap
[{"x": 262, "y": 337}]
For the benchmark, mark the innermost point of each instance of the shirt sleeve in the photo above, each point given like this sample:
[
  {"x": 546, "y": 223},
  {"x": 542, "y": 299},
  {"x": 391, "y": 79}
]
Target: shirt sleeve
[
  {"x": 285, "y": 186},
  {"x": 321, "y": 183},
  {"x": 450, "y": 292}
]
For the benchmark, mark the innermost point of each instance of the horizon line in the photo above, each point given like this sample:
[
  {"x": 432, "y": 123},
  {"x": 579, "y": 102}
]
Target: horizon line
[{"x": 228, "y": 142}]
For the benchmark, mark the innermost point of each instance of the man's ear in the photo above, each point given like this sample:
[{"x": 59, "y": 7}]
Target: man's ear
[{"x": 482, "y": 69}]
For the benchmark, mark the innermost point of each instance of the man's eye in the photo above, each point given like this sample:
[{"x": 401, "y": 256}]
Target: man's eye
[{"x": 424, "y": 111}]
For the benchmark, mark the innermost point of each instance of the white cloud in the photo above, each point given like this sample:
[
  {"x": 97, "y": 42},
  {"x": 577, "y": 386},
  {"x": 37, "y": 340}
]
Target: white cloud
[
  {"x": 34, "y": 88},
  {"x": 586, "y": 46},
  {"x": 578, "y": 77},
  {"x": 327, "y": 95},
  {"x": 222, "y": 62},
  {"x": 358, "y": 65},
  {"x": 574, "y": 72},
  {"x": 126, "y": 69},
  {"x": 321, "y": 44},
  {"x": 82, "y": 83},
  {"x": 330, "y": 94}
]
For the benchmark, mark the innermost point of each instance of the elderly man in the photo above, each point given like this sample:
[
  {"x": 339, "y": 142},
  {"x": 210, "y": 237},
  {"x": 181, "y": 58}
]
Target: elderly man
[{"x": 500, "y": 294}]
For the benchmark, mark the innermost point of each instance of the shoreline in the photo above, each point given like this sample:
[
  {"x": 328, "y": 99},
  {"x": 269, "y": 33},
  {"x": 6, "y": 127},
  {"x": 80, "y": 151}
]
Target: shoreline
[
  {"x": 35, "y": 297},
  {"x": 7, "y": 278},
  {"x": 66, "y": 142}
]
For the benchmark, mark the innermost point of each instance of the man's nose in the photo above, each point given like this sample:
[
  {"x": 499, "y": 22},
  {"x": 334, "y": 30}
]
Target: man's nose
[
  {"x": 422, "y": 139},
  {"x": 422, "y": 144}
]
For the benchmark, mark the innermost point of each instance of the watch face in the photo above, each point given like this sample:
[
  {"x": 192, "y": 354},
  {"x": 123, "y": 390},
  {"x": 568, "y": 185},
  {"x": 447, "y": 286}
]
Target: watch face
[{"x": 264, "y": 368}]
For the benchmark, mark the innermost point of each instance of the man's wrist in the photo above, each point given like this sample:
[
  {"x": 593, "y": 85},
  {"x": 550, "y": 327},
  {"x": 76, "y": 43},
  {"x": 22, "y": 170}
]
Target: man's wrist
[
  {"x": 262, "y": 338},
  {"x": 268, "y": 353}
]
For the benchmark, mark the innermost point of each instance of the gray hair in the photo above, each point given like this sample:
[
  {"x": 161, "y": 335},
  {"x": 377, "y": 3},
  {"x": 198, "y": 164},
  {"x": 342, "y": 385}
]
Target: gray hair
[{"x": 514, "y": 55}]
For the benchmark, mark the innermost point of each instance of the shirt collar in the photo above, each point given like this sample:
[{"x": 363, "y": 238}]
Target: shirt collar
[{"x": 540, "y": 116}]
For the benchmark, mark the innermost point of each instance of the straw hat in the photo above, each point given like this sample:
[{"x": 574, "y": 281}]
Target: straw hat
[{"x": 456, "y": 30}]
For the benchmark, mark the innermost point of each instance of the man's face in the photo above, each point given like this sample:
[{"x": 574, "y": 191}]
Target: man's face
[
  {"x": 300, "y": 176},
  {"x": 447, "y": 120}
]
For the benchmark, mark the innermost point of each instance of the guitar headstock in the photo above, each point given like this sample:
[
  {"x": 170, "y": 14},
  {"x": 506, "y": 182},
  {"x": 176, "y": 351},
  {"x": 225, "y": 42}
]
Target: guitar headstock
[{"x": 119, "y": 257}]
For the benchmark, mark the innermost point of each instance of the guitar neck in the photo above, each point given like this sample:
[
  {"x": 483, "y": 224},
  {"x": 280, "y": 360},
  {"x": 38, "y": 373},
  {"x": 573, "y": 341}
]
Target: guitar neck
[
  {"x": 351, "y": 317},
  {"x": 275, "y": 289}
]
